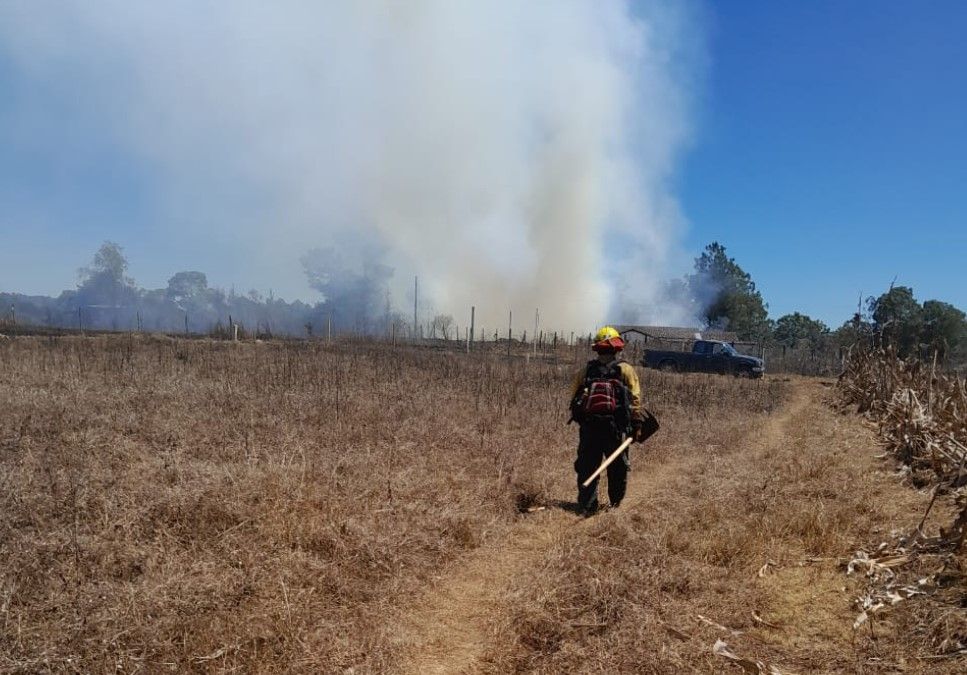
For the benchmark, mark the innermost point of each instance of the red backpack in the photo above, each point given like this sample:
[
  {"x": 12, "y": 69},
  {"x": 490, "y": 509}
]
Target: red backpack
[{"x": 603, "y": 397}]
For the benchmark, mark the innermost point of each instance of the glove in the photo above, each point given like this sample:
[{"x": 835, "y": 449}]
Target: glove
[
  {"x": 642, "y": 428},
  {"x": 637, "y": 431}
]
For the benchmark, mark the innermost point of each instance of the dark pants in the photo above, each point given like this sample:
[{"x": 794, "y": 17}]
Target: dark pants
[{"x": 597, "y": 443}]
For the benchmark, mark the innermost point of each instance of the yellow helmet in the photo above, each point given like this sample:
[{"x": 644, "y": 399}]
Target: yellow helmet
[
  {"x": 607, "y": 339},
  {"x": 606, "y": 333}
]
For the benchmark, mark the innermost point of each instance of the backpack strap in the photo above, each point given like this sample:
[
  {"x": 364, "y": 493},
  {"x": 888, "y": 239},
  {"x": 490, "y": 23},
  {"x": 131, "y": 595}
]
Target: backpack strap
[{"x": 595, "y": 370}]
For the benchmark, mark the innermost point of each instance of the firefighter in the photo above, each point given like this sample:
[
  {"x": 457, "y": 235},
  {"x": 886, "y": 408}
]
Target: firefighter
[{"x": 606, "y": 404}]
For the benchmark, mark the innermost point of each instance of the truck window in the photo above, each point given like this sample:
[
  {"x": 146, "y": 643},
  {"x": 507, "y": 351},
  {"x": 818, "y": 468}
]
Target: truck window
[
  {"x": 718, "y": 349},
  {"x": 702, "y": 347}
]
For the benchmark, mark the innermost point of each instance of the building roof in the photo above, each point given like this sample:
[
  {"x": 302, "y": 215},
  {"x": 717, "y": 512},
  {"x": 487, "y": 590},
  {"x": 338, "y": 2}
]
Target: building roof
[{"x": 675, "y": 333}]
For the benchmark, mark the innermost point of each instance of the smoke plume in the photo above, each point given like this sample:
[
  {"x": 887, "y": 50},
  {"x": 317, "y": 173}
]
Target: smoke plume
[{"x": 514, "y": 155}]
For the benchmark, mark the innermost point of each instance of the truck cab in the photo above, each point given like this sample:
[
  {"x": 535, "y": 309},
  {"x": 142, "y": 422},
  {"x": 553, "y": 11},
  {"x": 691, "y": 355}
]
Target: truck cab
[
  {"x": 707, "y": 356},
  {"x": 718, "y": 355}
]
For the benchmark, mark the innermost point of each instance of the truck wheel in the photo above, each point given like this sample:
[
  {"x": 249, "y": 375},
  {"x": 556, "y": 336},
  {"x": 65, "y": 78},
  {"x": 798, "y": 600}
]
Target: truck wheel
[{"x": 667, "y": 366}]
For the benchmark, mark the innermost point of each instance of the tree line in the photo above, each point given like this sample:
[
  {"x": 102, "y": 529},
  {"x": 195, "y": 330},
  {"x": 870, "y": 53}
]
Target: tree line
[
  {"x": 718, "y": 292},
  {"x": 106, "y": 297},
  {"x": 725, "y": 297}
]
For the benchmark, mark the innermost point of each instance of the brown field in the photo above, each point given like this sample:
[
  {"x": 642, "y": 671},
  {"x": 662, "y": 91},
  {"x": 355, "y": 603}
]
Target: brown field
[{"x": 173, "y": 505}]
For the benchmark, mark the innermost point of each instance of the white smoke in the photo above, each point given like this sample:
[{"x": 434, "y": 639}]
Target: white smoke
[{"x": 515, "y": 155}]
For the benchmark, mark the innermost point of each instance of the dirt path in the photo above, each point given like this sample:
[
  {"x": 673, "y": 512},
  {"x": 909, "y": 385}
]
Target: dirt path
[{"x": 449, "y": 628}]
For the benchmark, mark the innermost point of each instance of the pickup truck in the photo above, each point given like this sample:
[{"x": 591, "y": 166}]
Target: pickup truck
[{"x": 707, "y": 356}]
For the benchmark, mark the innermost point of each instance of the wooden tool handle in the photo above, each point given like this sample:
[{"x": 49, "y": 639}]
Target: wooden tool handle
[{"x": 604, "y": 465}]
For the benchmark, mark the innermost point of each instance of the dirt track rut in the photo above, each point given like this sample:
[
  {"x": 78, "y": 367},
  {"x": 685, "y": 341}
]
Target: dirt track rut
[{"x": 448, "y": 629}]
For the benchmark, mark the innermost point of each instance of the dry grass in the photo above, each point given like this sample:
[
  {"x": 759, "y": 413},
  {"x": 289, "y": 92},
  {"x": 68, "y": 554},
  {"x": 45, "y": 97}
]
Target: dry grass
[
  {"x": 257, "y": 505},
  {"x": 738, "y": 521},
  {"x": 194, "y": 505}
]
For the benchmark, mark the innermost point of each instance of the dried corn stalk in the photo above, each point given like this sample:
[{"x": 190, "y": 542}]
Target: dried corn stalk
[{"x": 921, "y": 417}]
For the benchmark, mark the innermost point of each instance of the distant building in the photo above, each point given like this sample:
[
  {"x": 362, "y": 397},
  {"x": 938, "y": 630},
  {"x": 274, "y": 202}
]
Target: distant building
[
  {"x": 649, "y": 334},
  {"x": 639, "y": 338}
]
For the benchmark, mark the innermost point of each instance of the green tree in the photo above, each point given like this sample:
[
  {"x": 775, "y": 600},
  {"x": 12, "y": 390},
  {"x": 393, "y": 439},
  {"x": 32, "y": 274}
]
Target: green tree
[
  {"x": 898, "y": 319},
  {"x": 794, "y": 328},
  {"x": 187, "y": 287},
  {"x": 108, "y": 263},
  {"x": 858, "y": 331},
  {"x": 944, "y": 327},
  {"x": 105, "y": 280},
  {"x": 728, "y": 295}
]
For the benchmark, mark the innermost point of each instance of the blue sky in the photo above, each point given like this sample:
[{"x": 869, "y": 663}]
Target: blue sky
[
  {"x": 831, "y": 150},
  {"x": 829, "y": 155}
]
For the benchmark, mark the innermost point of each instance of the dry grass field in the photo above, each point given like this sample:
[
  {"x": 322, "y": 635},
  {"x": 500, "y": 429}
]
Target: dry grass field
[{"x": 173, "y": 505}]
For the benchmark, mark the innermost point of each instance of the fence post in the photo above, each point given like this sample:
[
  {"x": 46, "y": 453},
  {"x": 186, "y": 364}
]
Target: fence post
[
  {"x": 510, "y": 333},
  {"x": 537, "y": 317},
  {"x": 473, "y": 311}
]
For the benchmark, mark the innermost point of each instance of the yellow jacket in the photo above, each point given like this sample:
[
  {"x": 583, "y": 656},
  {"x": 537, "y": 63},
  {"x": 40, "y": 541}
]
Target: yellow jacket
[{"x": 630, "y": 378}]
